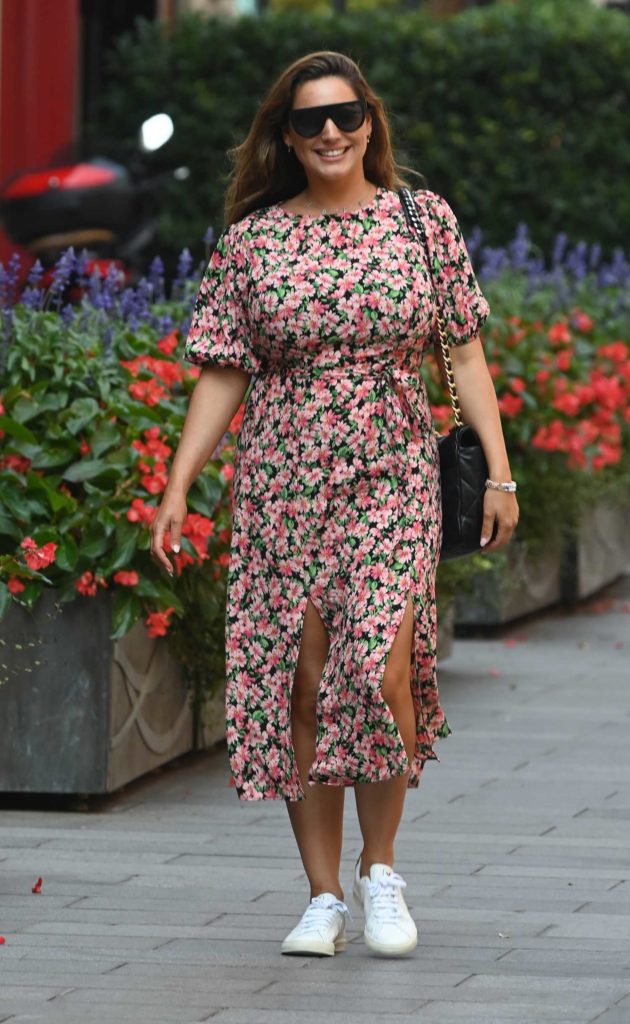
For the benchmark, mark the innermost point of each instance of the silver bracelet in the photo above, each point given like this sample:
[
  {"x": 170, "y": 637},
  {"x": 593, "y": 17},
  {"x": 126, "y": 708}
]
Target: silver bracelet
[{"x": 509, "y": 486}]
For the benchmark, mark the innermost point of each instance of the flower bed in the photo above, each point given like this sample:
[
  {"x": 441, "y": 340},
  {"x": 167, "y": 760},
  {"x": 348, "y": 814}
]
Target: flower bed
[{"x": 92, "y": 401}]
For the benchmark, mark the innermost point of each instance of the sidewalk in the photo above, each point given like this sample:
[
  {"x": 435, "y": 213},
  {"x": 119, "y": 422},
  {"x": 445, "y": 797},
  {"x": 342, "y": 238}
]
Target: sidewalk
[{"x": 167, "y": 903}]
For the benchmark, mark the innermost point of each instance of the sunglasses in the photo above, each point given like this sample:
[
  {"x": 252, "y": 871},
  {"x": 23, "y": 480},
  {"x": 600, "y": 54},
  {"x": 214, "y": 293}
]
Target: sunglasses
[{"x": 309, "y": 121}]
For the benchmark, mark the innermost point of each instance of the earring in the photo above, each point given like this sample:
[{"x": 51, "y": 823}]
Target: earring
[
  {"x": 288, "y": 147},
  {"x": 369, "y": 137}
]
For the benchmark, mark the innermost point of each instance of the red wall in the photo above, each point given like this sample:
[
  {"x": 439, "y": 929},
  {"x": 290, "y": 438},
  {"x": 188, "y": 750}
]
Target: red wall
[{"x": 39, "y": 42}]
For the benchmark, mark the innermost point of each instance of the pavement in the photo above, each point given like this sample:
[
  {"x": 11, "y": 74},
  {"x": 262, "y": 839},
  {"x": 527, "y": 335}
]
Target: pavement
[{"x": 167, "y": 902}]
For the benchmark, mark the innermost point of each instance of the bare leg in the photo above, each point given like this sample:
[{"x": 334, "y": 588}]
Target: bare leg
[
  {"x": 380, "y": 804},
  {"x": 317, "y": 821}
]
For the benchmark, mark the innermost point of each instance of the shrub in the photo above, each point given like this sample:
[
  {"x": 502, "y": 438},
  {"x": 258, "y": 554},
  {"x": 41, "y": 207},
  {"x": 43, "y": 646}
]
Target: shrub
[{"x": 513, "y": 112}]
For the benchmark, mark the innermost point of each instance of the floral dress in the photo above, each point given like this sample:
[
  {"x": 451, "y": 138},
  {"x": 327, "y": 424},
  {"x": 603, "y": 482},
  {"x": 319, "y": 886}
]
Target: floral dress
[{"x": 336, "y": 493}]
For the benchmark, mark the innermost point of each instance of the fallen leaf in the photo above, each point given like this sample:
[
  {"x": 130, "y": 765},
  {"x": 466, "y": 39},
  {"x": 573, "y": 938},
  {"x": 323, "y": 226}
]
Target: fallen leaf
[
  {"x": 618, "y": 644},
  {"x": 495, "y": 672},
  {"x": 503, "y": 935},
  {"x": 38, "y": 886}
]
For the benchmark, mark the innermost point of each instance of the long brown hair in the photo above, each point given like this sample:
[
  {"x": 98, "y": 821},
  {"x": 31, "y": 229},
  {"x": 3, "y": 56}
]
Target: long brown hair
[{"x": 265, "y": 172}]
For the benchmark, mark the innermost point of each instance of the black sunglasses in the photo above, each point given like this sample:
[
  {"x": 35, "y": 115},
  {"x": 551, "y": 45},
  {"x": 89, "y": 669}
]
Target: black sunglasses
[{"x": 309, "y": 121}]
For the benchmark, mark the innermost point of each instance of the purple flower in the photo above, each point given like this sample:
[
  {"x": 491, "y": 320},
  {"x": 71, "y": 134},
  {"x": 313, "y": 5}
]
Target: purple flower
[
  {"x": 559, "y": 247},
  {"x": 8, "y": 281},
  {"x": 156, "y": 278},
  {"x": 64, "y": 269},
  {"x": 68, "y": 315}
]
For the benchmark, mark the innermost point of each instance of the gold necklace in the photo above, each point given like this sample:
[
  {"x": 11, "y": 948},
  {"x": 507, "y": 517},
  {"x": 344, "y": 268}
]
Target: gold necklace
[{"x": 361, "y": 202}]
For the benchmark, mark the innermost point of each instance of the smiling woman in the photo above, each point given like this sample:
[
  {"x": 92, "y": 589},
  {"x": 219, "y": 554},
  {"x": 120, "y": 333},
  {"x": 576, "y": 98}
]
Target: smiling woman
[{"x": 318, "y": 290}]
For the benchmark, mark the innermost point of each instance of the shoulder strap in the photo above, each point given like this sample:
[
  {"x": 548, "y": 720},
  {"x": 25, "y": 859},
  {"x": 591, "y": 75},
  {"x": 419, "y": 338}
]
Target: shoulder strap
[{"x": 414, "y": 221}]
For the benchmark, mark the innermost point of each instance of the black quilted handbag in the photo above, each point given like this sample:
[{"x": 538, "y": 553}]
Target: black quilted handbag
[{"x": 463, "y": 466}]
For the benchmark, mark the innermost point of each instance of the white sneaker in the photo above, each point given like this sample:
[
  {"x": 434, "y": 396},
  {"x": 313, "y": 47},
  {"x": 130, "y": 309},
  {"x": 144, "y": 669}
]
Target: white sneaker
[
  {"x": 389, "y": 927},
  {"x": 322, "y": 928}
]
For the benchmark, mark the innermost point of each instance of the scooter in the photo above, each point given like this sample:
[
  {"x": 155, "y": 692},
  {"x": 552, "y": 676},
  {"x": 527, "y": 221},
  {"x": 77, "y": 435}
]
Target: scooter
[{"x": 95, "y": 205}]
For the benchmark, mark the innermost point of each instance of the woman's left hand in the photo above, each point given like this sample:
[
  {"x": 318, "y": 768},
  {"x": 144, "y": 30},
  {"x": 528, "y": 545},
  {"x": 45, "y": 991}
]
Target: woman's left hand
[{"x": 500, "y": 508}]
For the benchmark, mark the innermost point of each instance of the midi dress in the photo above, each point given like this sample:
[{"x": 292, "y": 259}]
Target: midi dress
[{"x": 336, "y": 491}]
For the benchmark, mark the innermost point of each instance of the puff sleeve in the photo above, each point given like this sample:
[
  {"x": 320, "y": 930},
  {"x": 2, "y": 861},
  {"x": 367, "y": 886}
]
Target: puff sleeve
[
  {"x": 463, "y": 306},
  {"x": 220, "y": 331}
]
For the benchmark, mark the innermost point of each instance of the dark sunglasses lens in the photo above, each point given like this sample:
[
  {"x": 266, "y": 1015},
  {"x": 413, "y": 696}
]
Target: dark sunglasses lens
[
  {"x": 349, "y": 116},
  {"x": 309, "y": 121}
]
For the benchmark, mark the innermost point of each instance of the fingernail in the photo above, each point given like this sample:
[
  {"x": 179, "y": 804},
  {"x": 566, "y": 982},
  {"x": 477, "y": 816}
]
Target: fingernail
[
  {"x": 484, "y": 541},
  {"x": 176, "y": 548}
]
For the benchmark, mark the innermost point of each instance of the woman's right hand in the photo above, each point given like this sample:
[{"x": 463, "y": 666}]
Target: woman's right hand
[{"x": 170, "y": 518}]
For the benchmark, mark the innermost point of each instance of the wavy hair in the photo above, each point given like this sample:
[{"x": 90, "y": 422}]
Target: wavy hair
[{"x": 264, "y": 172}]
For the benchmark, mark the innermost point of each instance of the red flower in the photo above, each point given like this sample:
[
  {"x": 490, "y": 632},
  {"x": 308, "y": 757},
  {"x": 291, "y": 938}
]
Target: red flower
[
  {"x": 198, "y": 529},
  {"x": 168, "y": 343},
  {"x": 542, "y": 376},
  {"x": 567, "y": 403},
  {"x": 147, "y": 391},
  {"x": 227, "y": 470},
  {"x": 564, "y": 359},
  {"x": 15, "y": 585},
  {"x": 157, "y": 623},
  {"x": 518, "y": 384},
  {"x": 19, "y": 463},
  {"x": 87, "y": 584},
  {"x": 510, "y": 405},
  {"x": 495, "y": 370},
  {"x": 127, "y": 578},
  {"x": 581, "y": 321},
  {"x": 224, "y": 558},
  {"x": 38, "y": 558},
  {"x": 84, "y": 447},
  {"x": 37, "y": 888},
  {"x": 155, "y": 483},
  {"x": 559, "y": 334},
  {"x": 236, "y": 421},
  {"x": 141, "y": 513},
  {"x": 616, "y": 350}
]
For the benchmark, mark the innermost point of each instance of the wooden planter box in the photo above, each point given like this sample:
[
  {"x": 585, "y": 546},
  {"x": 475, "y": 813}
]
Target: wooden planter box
[
  {"x": 80, "y": 713},
  {"x": 599, "y": 553},
  {"x": 596, "y": 556},
  {"x": 527, "y": 584},
  {"x": 446, "y": 631}
]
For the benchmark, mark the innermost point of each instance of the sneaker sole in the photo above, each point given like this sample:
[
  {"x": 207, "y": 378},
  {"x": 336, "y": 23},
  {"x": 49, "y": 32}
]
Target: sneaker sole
[
  {"x": 400, "y": 950},
  {"x": 314, "y": 948}
]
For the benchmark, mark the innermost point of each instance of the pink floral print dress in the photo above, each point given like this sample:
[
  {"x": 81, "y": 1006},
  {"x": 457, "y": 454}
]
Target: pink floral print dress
[{"x": 336, "y": 493}]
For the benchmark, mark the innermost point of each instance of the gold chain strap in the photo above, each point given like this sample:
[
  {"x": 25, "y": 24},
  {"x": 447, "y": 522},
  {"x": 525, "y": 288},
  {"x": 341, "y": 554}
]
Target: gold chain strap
[{"x": 413, "y": 216}]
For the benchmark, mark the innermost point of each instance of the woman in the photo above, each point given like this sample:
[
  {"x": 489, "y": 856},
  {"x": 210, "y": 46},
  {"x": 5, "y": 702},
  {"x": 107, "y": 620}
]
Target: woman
[{"x": 319, "y": 292}]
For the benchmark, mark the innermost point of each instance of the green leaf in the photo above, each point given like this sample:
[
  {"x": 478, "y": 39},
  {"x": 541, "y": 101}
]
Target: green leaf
[
  {"x": 9, "y": 528},
  {"x": 80, "y": 413},
  {"x": 107, "y": 519},
  {"x": 90, "y": 469},
  {"x": 5, "y": 599},
  {"x": 125, "y": 546},
  {"x": 103, "y": 438},
  {"x": 67, "y": 554},
  {"x": 16, "y": 430},
  {"x": 54, "y": 456},
  {"x": 95, "y": 544},
  {"x": 56, "y": 499},
  {"x": 127, "y": 609}
]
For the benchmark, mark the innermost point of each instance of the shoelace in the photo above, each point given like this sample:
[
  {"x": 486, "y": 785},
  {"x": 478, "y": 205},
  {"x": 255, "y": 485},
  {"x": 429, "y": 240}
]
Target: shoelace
[
  {"x": 384, "y": 892},
  {"x": 319, "y": 913}
]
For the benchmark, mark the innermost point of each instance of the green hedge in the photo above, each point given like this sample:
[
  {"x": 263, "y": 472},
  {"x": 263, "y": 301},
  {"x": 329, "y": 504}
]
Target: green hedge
[{"x": 513, "y": 114}]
